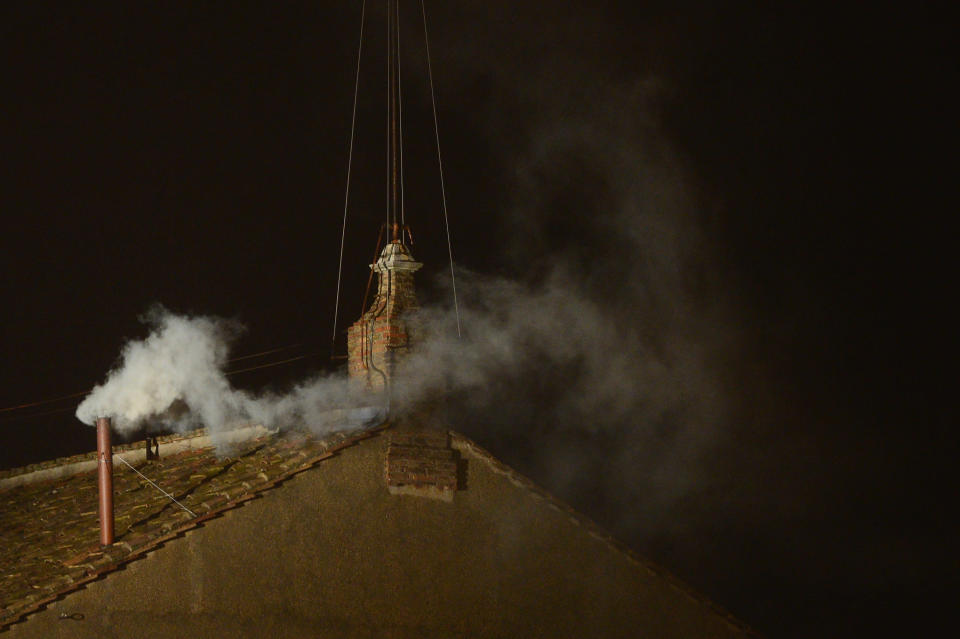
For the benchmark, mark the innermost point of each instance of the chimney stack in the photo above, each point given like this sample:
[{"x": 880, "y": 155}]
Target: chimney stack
[
  {"x": 382, "y": 337},
  {"x": 105, "y": 480}
]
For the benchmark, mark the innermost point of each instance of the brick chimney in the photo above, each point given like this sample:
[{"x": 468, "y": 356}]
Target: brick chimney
[{"x": 381, "y": 338}]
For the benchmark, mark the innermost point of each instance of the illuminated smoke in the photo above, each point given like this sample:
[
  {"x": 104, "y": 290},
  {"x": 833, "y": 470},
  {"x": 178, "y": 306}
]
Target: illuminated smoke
[
  {"x": 595, "y": 365},
  {"x": 175, "y": 378}
]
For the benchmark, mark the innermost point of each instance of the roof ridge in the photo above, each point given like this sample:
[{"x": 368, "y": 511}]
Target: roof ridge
[
  {"x": 79, "y": 457},
  {"x": 129, "y": 452},
  {"x": 460, "y": 442}
]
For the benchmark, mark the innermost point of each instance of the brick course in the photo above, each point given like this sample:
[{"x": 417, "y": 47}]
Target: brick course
[
  {"x": 421, "y": 463},
  {"x": 381, "y": 338}
]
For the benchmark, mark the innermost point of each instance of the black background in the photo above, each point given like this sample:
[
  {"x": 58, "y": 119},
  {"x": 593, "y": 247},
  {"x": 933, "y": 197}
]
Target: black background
[{"x": 195, "y": 155}]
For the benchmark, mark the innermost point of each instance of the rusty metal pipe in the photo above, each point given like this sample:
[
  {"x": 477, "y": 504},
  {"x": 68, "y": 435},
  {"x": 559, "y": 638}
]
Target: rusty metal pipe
[{"x": 105, "y": 480}]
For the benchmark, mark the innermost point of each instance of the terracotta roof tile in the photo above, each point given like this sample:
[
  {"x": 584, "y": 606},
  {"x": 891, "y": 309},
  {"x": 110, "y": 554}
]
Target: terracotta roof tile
[{"x": 49, "y": 529}]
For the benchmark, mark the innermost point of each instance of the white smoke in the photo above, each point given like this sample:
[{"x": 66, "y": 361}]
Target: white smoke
[
  {"x": 175, "y": 378},
  {"x": 598, "y": 372},
  {"x": 602, "y": 363}
]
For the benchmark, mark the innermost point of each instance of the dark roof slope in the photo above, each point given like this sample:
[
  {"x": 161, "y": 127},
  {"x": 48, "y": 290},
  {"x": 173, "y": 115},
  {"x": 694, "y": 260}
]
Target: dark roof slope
[
  {"x": 344, "y": 552},
  {"x": 49, "y": 529}
]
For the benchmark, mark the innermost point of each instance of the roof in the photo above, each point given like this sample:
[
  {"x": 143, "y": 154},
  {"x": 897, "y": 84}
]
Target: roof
[
  {"x": 503, "y": 556},
  {"x": 49, "y": 527}
]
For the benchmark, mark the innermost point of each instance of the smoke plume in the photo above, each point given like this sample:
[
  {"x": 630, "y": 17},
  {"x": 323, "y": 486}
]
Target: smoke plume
[
  {"x": 596, "y": 371},
  {"x": 595, "y": 365},
  {"x": 592, "y": 364},
  {"x": 175, "y": 378}
]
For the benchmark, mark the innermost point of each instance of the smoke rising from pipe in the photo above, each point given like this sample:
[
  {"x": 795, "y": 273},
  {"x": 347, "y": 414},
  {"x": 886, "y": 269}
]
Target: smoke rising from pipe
[
  {"x": 596, "y": 362},
  {"x": 606, "y": 367},
  {"x": 175, "y": 378},
  {"x": 601, "y": 362}
]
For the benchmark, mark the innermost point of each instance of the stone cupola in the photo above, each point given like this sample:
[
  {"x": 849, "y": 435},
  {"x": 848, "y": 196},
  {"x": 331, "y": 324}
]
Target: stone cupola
[{"x": 382, "y": 337}]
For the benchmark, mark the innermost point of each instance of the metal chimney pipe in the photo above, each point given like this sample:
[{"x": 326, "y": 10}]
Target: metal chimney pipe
[{"x": 105, "y": 480}]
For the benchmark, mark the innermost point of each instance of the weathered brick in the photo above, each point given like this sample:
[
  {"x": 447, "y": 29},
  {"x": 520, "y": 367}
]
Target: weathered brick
[
  {"x": 380, "y": 339},
  {"x": 421, "y": 463}
]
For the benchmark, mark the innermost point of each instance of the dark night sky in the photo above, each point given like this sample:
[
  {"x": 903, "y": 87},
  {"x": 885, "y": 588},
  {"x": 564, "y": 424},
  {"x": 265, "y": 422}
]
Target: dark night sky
[{"x": 195, "y": 155}]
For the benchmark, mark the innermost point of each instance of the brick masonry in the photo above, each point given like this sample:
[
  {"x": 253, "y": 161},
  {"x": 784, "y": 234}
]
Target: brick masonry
[
  {"x": 421, "y": 463},
  {"x": 381, "y": 338}
]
